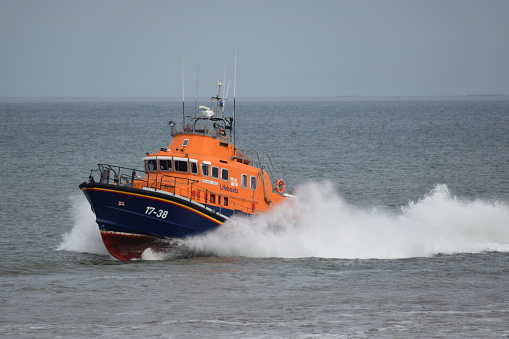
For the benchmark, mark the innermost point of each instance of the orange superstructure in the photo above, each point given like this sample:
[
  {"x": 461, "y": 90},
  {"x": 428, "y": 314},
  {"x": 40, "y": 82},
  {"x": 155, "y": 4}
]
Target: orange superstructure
[{"x": 206, "y": 167}]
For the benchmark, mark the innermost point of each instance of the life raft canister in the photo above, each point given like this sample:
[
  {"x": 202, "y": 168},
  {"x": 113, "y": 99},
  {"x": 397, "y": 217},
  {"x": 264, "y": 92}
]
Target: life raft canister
[{"x": 280, "y": 186}]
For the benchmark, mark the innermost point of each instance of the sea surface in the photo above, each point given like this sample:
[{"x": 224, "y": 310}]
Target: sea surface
[{"x": 399, "y": 229}]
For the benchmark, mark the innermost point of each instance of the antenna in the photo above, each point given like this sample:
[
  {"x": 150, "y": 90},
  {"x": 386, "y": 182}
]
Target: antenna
[
  {"x": 235, "y": 74},
  {"x": 183, "y": 115},
  {"x": 196, "y": 95},
  {"x": 234, "y": 92},
  {"x": 224, "y": 81},
  {"x": 227, "y": 90}
]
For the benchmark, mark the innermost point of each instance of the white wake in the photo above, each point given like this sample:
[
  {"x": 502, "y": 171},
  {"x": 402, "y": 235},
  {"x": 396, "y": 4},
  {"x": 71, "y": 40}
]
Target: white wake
[{"x": 319, "y": 223}]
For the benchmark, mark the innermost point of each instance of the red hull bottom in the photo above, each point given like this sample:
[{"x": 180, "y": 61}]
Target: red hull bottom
[{"x": 125, "y": 246}]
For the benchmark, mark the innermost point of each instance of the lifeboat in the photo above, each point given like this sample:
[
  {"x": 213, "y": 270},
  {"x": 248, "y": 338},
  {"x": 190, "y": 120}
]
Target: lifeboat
[{"x": 192, "y": 186}]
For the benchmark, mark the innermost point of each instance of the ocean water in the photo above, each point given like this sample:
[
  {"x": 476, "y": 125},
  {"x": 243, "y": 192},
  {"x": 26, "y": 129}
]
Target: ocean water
[{"x": 399, "y": 229}]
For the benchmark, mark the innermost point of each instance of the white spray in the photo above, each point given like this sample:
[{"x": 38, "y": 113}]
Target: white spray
[
  {"x": 319, "y": 223},
  {"x": 84, "y": 236}
]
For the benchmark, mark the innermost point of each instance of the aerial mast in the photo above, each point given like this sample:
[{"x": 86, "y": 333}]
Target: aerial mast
[
  {"x": 219, "y": 100},
  {"x": 183, "y": 114},
  {"x": 234, "y": 92}
]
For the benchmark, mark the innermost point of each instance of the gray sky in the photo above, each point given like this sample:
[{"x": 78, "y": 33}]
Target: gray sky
[{"x": 122, "y": 48}]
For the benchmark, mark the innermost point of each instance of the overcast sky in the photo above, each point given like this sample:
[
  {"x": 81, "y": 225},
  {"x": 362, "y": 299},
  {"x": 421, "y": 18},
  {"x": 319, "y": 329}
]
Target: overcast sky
[{"x": 293, "y": 48}]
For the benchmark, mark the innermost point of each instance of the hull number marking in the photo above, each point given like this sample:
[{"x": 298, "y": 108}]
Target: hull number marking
[{"x": 158, "y": 213}]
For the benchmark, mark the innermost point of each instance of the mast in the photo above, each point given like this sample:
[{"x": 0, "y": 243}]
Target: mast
[
  {"x": 196, "y": 94},
  {"x": 234, "y": 93},
  {"x": 219, "y": 100},
  {"x": 183, "y": 115}
]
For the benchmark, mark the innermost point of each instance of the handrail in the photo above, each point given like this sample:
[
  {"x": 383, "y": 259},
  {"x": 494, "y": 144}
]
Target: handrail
[
  {"x": 181, "y": 186},
  {"x": 259, "y": 160}
]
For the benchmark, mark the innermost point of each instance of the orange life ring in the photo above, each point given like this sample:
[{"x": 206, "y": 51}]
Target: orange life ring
[{"x": 280, "y": 186}]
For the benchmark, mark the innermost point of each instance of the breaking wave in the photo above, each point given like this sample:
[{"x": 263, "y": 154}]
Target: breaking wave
[{"x": 319, "y": 223}]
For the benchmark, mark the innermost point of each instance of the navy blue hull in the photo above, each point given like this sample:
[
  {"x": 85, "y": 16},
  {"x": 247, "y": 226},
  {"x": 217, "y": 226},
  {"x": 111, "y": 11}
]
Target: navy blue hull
[{"x": 132, "y": 220}]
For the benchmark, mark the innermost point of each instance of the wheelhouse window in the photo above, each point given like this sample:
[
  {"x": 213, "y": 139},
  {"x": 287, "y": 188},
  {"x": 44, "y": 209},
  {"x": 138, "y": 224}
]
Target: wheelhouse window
[
  {"x": 205, "y": 168},
  {"x": 224, "y": 174},
  {"x": 151, "y": 165},
  {"x": 181, "y": 165},
  {"x": 165, "y": 164},
  {"x": 253, "y": 182},
  {"x": 215, "y": 172},
  {"x": 243, "y": 180},
  {"x": 194, "y": 166}
]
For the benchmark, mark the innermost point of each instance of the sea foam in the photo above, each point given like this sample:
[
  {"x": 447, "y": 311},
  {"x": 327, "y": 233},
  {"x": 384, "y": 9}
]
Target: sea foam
[{"x": 320, "y": 223}]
